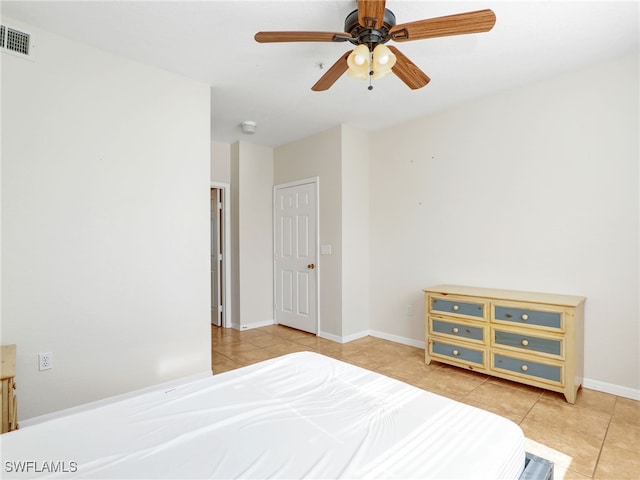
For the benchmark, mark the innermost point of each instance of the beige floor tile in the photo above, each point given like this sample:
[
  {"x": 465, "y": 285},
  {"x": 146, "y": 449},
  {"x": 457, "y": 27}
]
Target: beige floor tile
[
  {"x": 626, "y": 411},
  {"x": 409, "y": 369},
  {"x": 222, "y": 364},
  {"x": 331, "y": 349},
  {"x": 285, "y": 348},
  {"x": 230, "y": 349},
  {"x": 452, "y": 382},
  {"x": 368, "y": 358},
  {"x": 349, "y": 348},
  {"x": 505, "y": 398},
  {"x": 316, "y": 342},
  {"x": 520, "y": 386},
  {"x": 264, "y": 341},
  {"x": 564, "y": 473},
  {"x": 570, "y": 417},
  {"x": 579, "y": 451},
  {"x": 217, "y": 340},
  {"x": 249, "y": 335},
  {"x": 497, "y": 409},
  {"x": 591, "y": 399},
  {"x": 290, "y": 333},
  {"x": 624, "y": 436},
  {"x": 253, "y": 356},
  {"x": 404, "y": 351},
  {"x": 618, "y": 464}
]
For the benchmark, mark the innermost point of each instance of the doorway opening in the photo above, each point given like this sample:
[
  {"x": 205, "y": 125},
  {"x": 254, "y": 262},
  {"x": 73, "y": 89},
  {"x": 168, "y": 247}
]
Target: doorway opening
[{"x": 219, "y": 239}]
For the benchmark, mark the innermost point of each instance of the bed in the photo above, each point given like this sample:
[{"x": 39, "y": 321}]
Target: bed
[{"x": 302, "y": 415}]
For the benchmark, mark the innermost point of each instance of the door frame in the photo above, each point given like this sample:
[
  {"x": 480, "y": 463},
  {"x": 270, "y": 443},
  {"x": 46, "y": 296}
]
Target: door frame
[
  {"x": 295, "y": 183},
  {"x": 226, "y": 252}
]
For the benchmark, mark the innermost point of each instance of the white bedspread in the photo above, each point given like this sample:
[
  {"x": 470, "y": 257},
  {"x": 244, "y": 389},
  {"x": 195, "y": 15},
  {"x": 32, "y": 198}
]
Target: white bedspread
[{"x": 302, "y": 415}]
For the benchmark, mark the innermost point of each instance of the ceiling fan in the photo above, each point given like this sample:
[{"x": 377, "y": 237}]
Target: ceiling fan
[{"x": 372, "y": 25}]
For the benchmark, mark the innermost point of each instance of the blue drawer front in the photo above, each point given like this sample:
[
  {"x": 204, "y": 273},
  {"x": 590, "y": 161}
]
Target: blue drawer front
[
  {"x": 527, "y": 342},
  {"x": 458, "y": 330},
  {"x": 459, "y": 308},
  {"x": 525, "y": 367},
  {"x": 459, "y": 353},
  {"x": 528, "y": 317}
]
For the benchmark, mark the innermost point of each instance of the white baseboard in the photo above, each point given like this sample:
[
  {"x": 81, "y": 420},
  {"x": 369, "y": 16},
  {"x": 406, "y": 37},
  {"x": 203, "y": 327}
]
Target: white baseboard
[
  {"x": 618, "y": 390},
  {"x": 347, "y": 339},
  {"x": 355, "y": 336},
  {"x": 373, "y": 333},
  {"x": 250, "y": 326},
  {"x": 397, "y": 339},
  {"x": 330, "y": 336},
  {"x": 115, "y": 398}
]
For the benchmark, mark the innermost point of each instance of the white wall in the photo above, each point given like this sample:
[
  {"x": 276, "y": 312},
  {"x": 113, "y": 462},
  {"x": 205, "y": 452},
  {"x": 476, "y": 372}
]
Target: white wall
[
  {"x": 320, "y": 156},
  {"x": 220, "y": 162},
  {"x": 532, "y": 189},
  {"x": 252, "y": 239},
  {"x": 340, "y": 158},
  {"x": 104, "y": 224},
  {"x": 355, "y": 232}
]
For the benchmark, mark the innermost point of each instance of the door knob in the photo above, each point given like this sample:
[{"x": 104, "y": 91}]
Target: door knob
[{"x": 311, "y": 266}]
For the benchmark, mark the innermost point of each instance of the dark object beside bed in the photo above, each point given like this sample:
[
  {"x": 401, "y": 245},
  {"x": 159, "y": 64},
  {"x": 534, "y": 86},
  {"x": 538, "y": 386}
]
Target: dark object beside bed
[{"x": 537, "y": 468}]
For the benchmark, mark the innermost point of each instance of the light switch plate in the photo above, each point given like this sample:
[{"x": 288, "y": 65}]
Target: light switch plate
[{"x": 325, "y": 249}]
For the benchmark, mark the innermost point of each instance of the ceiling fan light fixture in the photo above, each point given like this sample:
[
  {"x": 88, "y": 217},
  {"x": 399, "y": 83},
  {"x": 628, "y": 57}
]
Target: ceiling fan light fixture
[
  {"x": 383, "y": 61},
  {"x": 359, "y": 57},
  {"x": 372, "y": 25},
  {"x": 358, "y": 62},
  {"x": 361, "y": 74}
]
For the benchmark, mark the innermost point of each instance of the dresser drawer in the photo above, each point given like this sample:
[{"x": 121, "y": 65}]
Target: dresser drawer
[
  {"x": 456, "y": 352},
  {"x": 528, "y": 342},
  {"x": 455, "y": 329},
  {"x": 527, "y": 368},
  {"x": 527, "y": 316},
  {"x": 455, "y": 307}
]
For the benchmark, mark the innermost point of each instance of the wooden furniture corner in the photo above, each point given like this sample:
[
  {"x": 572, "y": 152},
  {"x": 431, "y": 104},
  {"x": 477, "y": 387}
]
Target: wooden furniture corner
[{"x": 7, "y": 376}]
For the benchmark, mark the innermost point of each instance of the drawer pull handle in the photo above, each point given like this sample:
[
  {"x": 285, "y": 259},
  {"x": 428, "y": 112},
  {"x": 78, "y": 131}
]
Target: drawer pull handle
[
  {"x": 455, "y": 330},
  {"x": 525, "y": 316},
  {"x": 524, "y": 368},
  {"x": 525, "y": 342},
  {"x": 456, "y": 308},
  {"x": 456, "y": 352}
]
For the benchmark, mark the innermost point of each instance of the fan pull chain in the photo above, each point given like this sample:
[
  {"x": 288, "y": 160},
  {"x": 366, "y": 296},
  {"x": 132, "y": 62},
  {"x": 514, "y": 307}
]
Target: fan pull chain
[{"x": 370, "y": 87}]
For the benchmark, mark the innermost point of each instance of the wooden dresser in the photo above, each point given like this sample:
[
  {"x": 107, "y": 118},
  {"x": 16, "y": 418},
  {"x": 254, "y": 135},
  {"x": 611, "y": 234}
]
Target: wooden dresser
[
  {"x": 7, "y": 376},
  {"x": 532, "y": 338}
]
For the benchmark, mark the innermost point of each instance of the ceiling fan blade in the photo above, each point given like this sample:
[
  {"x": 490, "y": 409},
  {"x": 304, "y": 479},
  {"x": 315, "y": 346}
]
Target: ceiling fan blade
[
  {"x": 371, "y": 13},
  {"x": 407, "y": 71},
  {"x": 273, "y": 37},
  {"x": 460, "y": 24},
  {"x": 333, "y": 74}
]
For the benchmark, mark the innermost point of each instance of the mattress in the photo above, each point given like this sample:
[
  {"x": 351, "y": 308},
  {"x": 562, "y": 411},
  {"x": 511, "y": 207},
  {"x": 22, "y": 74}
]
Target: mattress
[{"x": 302, "y": 415}]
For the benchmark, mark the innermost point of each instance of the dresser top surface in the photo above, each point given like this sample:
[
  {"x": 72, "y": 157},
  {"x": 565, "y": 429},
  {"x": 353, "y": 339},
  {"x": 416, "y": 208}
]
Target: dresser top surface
[
  {"x": 7, "y": 361},
  {"x": 513, "y": 295}
]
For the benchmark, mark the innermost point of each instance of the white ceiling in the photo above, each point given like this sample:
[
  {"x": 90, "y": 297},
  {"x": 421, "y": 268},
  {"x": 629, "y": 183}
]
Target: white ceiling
[{"x": 212, "y": 41}]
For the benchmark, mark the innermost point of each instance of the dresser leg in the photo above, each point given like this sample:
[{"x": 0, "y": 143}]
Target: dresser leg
[{"x": 571, "y": 395}]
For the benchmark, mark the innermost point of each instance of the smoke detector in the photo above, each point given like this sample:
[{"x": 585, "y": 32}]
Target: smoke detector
[{"x": 248, "y": 127}]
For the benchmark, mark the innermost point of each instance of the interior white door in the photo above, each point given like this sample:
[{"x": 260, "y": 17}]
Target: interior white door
[
  {"x": 216, "y": 257},
  {"x": 295, "y": 252}
]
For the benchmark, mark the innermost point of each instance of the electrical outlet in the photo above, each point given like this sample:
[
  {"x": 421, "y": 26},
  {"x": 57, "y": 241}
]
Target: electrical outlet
[
  {"x": 45, "y": 361},
  {"x": 409, "y": 310}
]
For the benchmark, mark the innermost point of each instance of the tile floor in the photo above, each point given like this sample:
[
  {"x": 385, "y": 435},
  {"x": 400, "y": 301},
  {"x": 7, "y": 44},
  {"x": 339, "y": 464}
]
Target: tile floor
[{"x": 598, "y": 437}]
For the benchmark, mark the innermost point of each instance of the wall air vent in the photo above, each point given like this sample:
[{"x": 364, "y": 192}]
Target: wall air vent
[{"x": 16, "y": 42}]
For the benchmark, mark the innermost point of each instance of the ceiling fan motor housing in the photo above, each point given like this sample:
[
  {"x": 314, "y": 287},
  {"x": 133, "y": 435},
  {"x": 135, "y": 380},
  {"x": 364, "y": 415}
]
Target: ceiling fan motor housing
[{"x": 372, "y": 34}]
